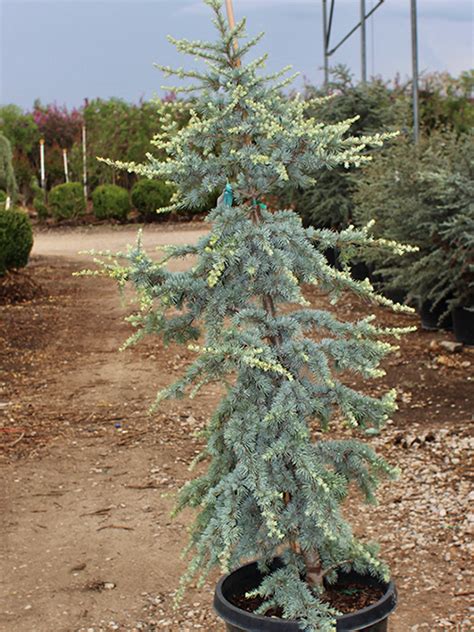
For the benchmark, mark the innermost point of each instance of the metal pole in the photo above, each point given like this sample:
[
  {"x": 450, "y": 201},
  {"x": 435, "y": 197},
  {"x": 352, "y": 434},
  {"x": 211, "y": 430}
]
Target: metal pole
[
  {"x": 414, "y": 59},
  {"x": 353, "y": 30},
  {"x": 325, "y": 43},
  {"x": 363, "y": 44}
]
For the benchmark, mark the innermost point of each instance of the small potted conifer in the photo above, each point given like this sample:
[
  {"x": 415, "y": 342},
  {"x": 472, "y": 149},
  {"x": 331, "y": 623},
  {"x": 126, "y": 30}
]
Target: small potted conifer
[{"x": 274, "y": 485}]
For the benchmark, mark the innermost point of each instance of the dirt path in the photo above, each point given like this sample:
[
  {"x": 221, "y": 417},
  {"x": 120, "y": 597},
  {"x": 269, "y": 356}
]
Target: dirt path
[
  {"x": 71, "y": 243},
  {"x": 88, "y": 477}
]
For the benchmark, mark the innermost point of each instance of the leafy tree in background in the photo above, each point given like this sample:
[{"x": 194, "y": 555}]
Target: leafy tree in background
[
  {"x": 23, "y": 134},
  {"x": 269, "y": 488},
  {"x": 447, "y": 102},
  {"x": 61, "y": 129},
  {"x": 121, "y": 130}
]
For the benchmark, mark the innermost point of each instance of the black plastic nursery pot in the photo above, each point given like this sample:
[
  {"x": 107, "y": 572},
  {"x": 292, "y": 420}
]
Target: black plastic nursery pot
[
  {"x": 332, "y": 257},
  {"x": 360, "y": 270},
  {"x": 430, "y": 316},
  {"x": 463, "y": 325},
  {"x": 395, "y": 294},
  {"x": 374, "y": 618}
]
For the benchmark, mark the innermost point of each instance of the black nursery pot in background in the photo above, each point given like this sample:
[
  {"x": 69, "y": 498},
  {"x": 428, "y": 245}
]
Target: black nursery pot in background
[
  {"x": 332, "y": 257},
  {"x": 374, "y": 618},
  {"x": 430, "y": 316},
  {"x": 360, "y": 270},
  {"x": 397, "y": 295},
  {"x": 463, "y": 325}
]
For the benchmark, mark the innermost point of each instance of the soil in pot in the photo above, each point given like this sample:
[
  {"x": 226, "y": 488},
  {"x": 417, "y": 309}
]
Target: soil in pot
[
  {"x": 463, "y": 325},
  {"x": 346, "y": 598}
]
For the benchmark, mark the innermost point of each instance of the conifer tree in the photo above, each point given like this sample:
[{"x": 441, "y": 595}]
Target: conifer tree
[
  {"x": 7, "y": 174},
  {"x": 269, "y": 488}
]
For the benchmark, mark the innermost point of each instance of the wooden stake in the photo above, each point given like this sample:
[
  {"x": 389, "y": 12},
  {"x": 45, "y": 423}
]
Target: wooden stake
[
  {"x": 66, "y": 171},
  {"x": 84, "y": 160},
  {"x": 231, "y": 18},
  {"x": 42, "y": 170}
]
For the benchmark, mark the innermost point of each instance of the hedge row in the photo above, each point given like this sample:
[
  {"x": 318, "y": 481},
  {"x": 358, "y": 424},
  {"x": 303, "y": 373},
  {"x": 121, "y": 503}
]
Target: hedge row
[{"x": 109, "y": 201}]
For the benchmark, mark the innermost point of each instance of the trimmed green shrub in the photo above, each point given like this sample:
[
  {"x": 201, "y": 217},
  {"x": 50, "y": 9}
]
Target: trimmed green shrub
[
  {"x": 16, "y": 240},
  {"x": 111, "y": 202},
  {"x": 66, "y": 201},
  {"x": 150, "y": 195}
]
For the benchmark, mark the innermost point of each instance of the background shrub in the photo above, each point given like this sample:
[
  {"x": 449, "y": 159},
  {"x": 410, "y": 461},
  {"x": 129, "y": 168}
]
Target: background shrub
[
  {"x": 110, "y": 202},
  {"x": 39, "y": 199},
  {"x": 7, "y": 175},
  {"x": 16, "y": 240},
  {"x": 66, "y": 201},
  {"x": 423, "y": 196},
  {"x": 150, "y": 195},
  {"x": 3, "y": 199}
]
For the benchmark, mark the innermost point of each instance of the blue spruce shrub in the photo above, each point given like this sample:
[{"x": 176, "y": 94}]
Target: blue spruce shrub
[{"x": 270, "y": 488}]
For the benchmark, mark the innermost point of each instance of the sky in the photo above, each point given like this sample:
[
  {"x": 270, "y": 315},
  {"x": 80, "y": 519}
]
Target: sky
[{"x": 65, "y": 50}]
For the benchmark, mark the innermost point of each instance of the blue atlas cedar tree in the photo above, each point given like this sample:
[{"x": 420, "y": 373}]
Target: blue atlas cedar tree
[{"x": 269, "y": 488}]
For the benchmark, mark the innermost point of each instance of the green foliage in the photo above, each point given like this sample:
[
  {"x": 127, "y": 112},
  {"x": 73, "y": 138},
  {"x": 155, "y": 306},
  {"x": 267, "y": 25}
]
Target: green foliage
[
  {"x": 121, "y": 130},
  {"x": 23, "y": 134},
  {"x": 424, "y": 197},
  {"x": 39, "y": 199},
  {"x": 16, "y": 240},
  {"x": 3, "y": 199},
  {"x": 150, "y": 195},
  {"x": 269, "y": 488},
  {"x": 111, "y": 202},
  {"x": 66, "y": 201},
  {"x": 7, "y": 175},
  {"x": 371, "y": 106},
  {"x": 446, "y": 102},
  {"x": 118, "y": 129},
  {"x": 19, "y": 127}
]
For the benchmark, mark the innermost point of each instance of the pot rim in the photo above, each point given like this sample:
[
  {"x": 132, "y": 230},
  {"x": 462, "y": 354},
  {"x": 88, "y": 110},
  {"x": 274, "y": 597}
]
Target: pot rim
[{"x": 345, "y": 622}]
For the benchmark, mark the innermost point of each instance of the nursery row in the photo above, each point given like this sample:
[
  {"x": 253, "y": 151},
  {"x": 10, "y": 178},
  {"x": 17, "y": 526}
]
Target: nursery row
[
  {"x": 420, "y": 196},
  {"x": 109, "y": 201},
  {"x": 122, "y": 131}
]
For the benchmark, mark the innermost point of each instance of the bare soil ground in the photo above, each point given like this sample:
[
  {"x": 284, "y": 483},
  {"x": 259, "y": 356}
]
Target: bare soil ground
[{"x": 87, "y": 476}]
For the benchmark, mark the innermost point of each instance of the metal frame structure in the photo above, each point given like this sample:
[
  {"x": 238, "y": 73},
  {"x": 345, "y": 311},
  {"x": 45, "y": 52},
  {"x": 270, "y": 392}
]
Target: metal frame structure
[
  {"x": 327, "y": 51},
  {"x": 327, "y": 26}
]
